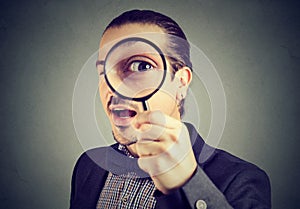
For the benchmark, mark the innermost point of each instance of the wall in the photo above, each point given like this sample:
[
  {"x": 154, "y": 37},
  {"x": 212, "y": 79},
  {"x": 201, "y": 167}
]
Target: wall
[{"x": 254, "y": 46}]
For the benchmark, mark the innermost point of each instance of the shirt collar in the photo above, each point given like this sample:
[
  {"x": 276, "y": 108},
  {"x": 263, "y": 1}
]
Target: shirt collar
[{"x": 124, "y": 150}]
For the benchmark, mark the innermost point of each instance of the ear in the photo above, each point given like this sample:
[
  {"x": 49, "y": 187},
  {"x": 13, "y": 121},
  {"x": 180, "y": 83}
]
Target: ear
[{"x": 184, "y": 78}]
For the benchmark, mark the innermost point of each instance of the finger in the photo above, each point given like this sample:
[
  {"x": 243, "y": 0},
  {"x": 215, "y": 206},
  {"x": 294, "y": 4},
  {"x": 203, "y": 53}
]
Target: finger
[
  {"x": 157, "y": 140},
  {"x": 154, "y": 141},
  {"x": 156, "y": 133},
  {"x": 164, "y": 160},
  {"x": 149, "y": 148},
  {"x": 176, "y": 142},
  {"x": 157, "y": 118},
  {"x": 154, "y": 165}
]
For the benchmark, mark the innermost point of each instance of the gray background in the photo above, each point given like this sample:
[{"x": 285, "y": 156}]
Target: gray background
[{"x": 253, "y": 44}]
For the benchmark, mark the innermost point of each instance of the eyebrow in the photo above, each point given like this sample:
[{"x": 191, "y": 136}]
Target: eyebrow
[{"x": 99, "y": 62}]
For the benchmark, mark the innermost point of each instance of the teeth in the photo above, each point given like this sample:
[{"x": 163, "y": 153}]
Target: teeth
[
  {"x": 123, "y": 112},
  {"x": 118, "y": 109}
]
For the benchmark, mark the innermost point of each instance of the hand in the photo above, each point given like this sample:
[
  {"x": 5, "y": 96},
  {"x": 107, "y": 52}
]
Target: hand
[{"x": 164, "y": 150}]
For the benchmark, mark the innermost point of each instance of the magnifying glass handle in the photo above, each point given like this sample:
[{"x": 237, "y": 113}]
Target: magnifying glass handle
[{"x": 145, "y": 105}]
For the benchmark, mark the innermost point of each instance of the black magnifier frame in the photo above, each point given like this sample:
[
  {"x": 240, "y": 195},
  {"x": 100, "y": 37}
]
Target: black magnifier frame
[{"x": 138, "y": 99}]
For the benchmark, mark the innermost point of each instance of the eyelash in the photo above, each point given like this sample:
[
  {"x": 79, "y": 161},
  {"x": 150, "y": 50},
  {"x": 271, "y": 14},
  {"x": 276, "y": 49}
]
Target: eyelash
[
  {"x": 130, "y": 61},
  {"x": 131, "y": 65},
  {"x": 140, "y": 59}
]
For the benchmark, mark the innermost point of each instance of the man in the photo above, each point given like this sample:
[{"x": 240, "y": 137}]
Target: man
[{"x": 155, "y": 162}]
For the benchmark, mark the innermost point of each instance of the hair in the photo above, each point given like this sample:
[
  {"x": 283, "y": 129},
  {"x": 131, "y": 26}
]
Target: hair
[{"x": 177, "y": 45}]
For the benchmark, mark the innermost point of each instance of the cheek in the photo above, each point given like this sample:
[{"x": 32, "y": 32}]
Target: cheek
[
  {"x": 164, "y": 101},
  {"x": 104, "y": 93}
]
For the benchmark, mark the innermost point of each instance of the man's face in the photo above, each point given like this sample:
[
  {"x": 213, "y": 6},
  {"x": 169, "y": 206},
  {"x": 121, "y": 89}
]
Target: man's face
[{"x": 121, "y": 112}]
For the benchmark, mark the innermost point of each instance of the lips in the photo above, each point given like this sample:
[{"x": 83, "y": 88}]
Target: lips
[{"x": 122, "y": 115}]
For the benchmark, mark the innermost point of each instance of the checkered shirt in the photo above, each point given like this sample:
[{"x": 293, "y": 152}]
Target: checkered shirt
[{"x": 127, "y": 191}]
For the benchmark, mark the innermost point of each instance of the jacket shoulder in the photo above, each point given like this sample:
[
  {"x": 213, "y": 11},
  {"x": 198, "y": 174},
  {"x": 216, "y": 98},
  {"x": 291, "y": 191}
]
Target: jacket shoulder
[{"x": 87, "y": 180}]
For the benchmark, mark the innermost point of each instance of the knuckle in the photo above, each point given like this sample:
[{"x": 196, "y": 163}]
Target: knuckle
[
  {"x": 163, "y": 149},
  {"x": 154, "y": 115},
  {"x": 145, "y": 127}
]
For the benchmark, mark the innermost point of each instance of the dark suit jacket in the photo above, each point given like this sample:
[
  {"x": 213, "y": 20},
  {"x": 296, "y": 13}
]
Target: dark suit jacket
[{"x": 221, "y": 181}]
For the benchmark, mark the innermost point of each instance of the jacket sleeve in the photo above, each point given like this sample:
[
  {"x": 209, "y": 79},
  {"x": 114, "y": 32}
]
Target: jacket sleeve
[
  {"x": 248, "y": 189},
  {"x": 87, "y": 181},
  {"x": 201, "y": 190},
  {"x": 79, "y": 191},
  {"x": 74, "y": 186}
]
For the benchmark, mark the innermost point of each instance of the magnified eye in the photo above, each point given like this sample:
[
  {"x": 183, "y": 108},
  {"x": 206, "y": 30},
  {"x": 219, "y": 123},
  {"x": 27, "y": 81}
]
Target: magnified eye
[{"x": 139, "y": 66}]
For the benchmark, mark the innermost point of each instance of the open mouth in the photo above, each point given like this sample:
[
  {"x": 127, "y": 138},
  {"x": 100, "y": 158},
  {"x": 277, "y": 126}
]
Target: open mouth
[
  {"x": 122, "y": 116},
  {"x": 123, "y": 113}
]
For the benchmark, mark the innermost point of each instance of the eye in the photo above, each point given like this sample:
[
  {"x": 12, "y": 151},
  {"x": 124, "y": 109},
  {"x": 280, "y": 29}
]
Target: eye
[{"x": 139, "y": 66}]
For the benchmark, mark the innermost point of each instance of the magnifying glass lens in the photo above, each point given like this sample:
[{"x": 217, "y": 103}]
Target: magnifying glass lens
[{"x": 134, "y": 69}]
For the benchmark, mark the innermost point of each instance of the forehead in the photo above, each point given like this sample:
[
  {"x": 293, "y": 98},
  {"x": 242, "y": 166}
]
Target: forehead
[
  {"x": 113, "y": 35},
  {"x": 126, "y": 30}
]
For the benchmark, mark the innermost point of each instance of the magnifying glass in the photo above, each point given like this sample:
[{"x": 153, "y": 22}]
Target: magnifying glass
[{"x": 135, "y": 69}]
